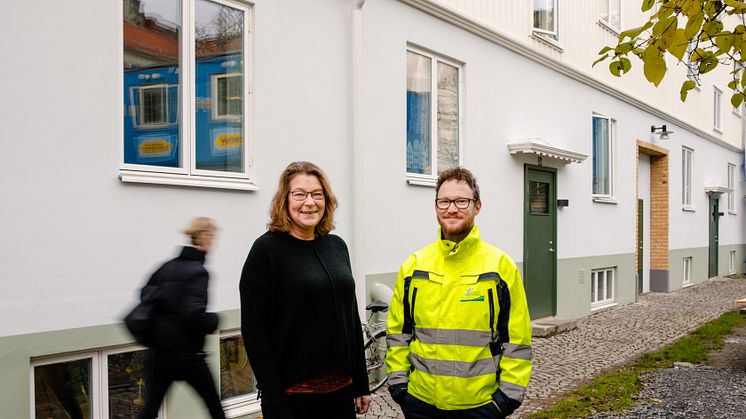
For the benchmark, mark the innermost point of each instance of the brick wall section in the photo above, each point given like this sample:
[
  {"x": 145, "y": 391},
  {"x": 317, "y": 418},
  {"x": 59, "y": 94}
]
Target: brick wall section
[{"x": 659, "y": 190}]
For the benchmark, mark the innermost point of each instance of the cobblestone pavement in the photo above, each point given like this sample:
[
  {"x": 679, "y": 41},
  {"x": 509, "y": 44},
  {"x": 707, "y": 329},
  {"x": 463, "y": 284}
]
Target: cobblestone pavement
[{"x": 608, "y": 339}]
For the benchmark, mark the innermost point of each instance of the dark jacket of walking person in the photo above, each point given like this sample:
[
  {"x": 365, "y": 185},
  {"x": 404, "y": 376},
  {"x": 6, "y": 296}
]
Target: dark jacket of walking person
[
  {"x": 299, "y": 315},
  {"x": 181, "y": 324}
]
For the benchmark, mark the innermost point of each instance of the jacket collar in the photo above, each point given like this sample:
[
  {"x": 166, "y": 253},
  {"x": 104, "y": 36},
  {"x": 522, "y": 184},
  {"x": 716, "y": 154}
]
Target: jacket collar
[
  {"x": 189, "y": 252},
  {"x": 450, "y": 248}
]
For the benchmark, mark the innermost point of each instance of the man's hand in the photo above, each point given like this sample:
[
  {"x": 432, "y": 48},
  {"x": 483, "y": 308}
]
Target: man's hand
[
  {"x": 398, "y": 391},
  {"x": 361, "y": 404}
]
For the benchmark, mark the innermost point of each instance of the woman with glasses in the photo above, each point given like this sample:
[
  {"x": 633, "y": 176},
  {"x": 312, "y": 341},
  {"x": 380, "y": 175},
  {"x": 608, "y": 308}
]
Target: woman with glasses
[{"x": 299, "y": 316}]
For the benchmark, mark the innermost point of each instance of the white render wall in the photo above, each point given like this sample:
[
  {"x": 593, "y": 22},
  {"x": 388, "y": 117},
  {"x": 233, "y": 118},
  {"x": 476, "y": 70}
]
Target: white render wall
[{"x": 79, "y": 242}]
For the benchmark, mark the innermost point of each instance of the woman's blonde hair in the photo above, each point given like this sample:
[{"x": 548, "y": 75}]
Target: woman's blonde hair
[
  {"x": 279, "y": 218},
  {"x": 199, "y": 226}
]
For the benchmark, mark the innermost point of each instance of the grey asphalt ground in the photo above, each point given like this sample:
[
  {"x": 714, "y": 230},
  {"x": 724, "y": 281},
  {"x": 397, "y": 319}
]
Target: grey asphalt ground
[{"x": 609, "y": 339}]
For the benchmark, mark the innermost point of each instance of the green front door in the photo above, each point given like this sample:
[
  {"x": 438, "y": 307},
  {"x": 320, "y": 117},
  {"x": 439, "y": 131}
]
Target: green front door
[
  {"x": 714, "y": 217},
  {"x": 540, "y": 241}
]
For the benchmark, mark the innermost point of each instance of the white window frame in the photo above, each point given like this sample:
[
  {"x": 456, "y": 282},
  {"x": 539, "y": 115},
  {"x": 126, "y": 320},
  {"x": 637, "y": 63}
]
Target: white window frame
[
  {"x": 188, "y": 174},
  {"x": 732, "y": 187},
  {"x": 608, "y": 300},
  {"x": 605, "y": 21},
  {"x": 99, "y": 375},
  {"x": 717, "y": 107},
  {"x": 548, "y": 34},
  {"x": 687, "y": 158},
  {"x": 686, "y": 271},
  {"x": 611, "y": 163},
  {"x": 432, "y": 178},
  {"x": 239, "y": 405}
]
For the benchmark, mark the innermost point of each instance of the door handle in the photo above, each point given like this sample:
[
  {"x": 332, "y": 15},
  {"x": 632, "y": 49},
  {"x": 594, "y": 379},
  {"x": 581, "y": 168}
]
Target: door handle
[{"x": 551, "y": 248}]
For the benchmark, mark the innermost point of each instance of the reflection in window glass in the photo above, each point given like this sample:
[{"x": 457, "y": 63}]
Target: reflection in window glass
[
  {"x": 62, "y": 390},
  {"x": 419, "y": 70},
  {"x": 127, "y": 384},
  {"x": 218, "y": 48},
  {"x": 602, "y": 157},
  {"x": 539, "y": 197},
  {"x": 236, "y": 376},
  {"x": 151, "y": 79}
]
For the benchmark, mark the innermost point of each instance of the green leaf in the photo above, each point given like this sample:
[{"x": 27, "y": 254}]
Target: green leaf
[
  {"x": 600, "y": 59},
  {"x": 632, "y": 33},
  {"x": 604, "y": 50},
  {"x": 712, "y": 27},
  {"x": 685, "y": 88},
  {"x": 663, "y": 25},
  {"x": 693, "y": 25},
  {"x": 677, "y": 48},
  {"x": 624, "y": 48},
  {"x": 738, "y": 5},
  {"x": 615, "y": 68},
  {"x": 725, "y": 41},
  {"x": 732, "y": 84},
  {"x": 655, "y": 69},
  {"x": 625, "y": 63},
  {"x": 736, "y": 99},
  {"x": 708, "y": 64},
  {"x": 647, "y": 5}
]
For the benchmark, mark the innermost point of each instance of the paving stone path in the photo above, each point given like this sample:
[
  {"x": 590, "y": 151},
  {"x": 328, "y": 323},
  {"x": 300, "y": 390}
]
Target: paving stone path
[{"x": 607, "y": 339}]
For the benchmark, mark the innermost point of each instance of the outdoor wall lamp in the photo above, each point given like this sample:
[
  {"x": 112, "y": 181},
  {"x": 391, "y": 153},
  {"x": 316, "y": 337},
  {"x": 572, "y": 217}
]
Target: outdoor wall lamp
[{"x": 663, "y": 131}]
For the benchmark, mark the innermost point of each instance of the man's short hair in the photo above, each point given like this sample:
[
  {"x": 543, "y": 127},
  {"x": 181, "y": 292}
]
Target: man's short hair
[{"x": 459, "y": 174}]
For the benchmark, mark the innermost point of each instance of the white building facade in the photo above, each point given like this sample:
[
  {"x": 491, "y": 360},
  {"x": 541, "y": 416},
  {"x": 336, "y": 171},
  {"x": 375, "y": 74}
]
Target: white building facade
[{"x": 145, "y": 113}]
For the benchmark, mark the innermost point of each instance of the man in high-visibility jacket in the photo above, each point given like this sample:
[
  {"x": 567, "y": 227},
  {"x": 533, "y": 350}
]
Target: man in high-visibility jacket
[{"x": 458, "y": 332}]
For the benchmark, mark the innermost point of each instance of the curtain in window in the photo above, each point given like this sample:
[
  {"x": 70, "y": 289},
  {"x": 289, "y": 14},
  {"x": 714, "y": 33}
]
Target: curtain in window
[
  {"x": 448, "y": 116},
  {"x": 418, "y": 114},
  {"x": 601, "y": 156},
  {"x": 544, "y": 15}
]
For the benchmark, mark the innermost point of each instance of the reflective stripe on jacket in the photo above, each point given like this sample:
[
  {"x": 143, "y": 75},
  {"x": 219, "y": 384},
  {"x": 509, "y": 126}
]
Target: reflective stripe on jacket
[{"x": 458, "y": 326}]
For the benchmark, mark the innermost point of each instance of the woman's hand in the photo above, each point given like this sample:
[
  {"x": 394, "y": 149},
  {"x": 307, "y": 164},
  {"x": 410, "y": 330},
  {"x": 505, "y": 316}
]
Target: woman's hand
[{"x": 361, "y": 404}]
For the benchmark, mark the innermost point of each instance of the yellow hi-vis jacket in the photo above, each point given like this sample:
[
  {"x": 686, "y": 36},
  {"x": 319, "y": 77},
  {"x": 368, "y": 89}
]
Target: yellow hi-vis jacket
[{"x": 458, "y": 325}]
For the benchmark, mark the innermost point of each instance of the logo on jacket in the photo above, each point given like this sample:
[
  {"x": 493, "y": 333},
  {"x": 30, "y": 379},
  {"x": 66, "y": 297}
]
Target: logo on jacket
[{"x": 472, "y": 296}]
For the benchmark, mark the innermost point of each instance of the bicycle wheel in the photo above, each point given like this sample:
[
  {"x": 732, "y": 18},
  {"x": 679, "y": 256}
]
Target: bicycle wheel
[{"x": 375, "y": 358}]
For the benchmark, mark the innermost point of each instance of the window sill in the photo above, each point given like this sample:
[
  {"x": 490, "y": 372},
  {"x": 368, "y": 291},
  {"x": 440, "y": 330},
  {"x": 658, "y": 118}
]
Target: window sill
[
  {"x": 688, "y": 209},
  {"x": 717, "y": 130},
  {"x": 421, "y": 180},
  {"x": 686, "y": 285},
  {"x": 732, "y": 213},
  {"x": 132, "y": 176},
  {"x": 606, "y": 25},
  {"x": 605, "y": 200},
  {"x": 602, "y": 306},
  {"x": 547, "y": 39}
]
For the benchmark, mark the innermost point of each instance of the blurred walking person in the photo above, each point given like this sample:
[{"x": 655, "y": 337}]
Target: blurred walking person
[{"x": 181, "y": 323}]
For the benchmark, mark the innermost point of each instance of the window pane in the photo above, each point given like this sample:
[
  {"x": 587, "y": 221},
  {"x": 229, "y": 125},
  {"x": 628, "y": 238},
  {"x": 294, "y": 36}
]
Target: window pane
[
  {"x": 539, "y": 197},
  {"x": 609, "y": 284},
  {"x": 601, "y": 287},
  {"x": 544, "y": 15},
  {"x": 593, "y": 287},
  {"x": 236, "y": 376},
  {"x": 62, "y": 390},
  {"x": 220, "y": 106},
  {"x": 418, "y": 113},
  {"x": 127, "y": 384},
  {"x": 601, "y": 156},
  {"x": 615, "y": 13},
  {"x": 448, "y": 125},
  {"x": 151, "y": 82}
]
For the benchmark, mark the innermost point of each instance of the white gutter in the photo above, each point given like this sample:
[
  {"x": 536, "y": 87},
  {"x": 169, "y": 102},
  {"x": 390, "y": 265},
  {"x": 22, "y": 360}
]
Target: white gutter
[{"x": 358, "y": 227}]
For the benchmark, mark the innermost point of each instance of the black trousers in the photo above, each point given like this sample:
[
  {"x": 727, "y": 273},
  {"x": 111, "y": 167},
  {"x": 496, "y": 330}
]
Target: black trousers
[
  {"x": 338, "y": 404},
  {"x": 415, "y": 408},
  {"x": 166, "y": 367}
]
